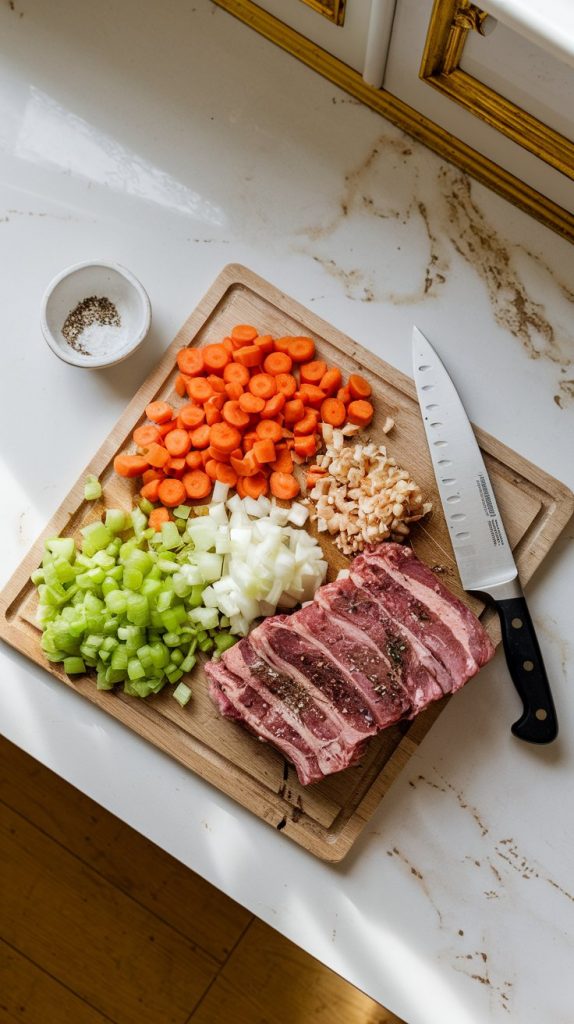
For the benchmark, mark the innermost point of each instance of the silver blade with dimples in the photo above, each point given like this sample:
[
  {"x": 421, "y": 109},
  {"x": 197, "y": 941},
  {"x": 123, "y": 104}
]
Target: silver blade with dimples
[{"x": 481, "y": 547}]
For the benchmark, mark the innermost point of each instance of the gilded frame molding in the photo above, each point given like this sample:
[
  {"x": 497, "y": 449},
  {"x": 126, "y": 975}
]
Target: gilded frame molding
[
  {"x": 449, "y": 26},
  {"x": 334, "y": 10},
  {"x": 405, "y": 117}
]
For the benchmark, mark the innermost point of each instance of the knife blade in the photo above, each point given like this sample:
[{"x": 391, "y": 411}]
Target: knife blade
[{"x": 481, "y": 549}]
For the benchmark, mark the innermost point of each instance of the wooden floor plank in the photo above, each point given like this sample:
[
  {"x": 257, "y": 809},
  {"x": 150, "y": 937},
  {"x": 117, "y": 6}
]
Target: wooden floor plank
[
  {"x": 179, "y": 897},
  {"x": 29, "y": 994},
  {"x": 268, "y": 980},
  {"x": 90, "y": 936}
]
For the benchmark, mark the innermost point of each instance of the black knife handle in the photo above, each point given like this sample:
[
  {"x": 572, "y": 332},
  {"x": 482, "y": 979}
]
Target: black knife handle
[{"x": 538, "y": 723}]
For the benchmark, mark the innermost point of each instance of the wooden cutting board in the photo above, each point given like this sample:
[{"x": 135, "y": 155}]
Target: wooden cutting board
[{"x": 325, "y": 818}]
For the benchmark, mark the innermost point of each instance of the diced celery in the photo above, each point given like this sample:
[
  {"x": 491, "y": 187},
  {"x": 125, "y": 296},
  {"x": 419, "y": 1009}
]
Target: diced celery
[
  {"x": 104, "y": 559},
  {"x": 223, "y": 641},
  {"x": 135, "y": 669},
  {"x": 119, "y": 658},
  {"x": 164, "y": 600},
  {"x": 96, "y": 537},
  {"x": 102, "y": 683},
  {"x": 173, "y": 673},
  {"x": 117, "y": 602},
  {"x": 195, "y": 598},
  {"x": 166, "y": 565},
  {"x": 173, "y": 639},
  {"x": 92, "y": 488},
  {"x": 182, "y": 694},
  {"x": 206, "y": 645},
  {"x": 140, "y": 560},
  {"x": 150, "y": 587},
  {"x": 133, "y": 578},
  {"x": 74, "y": 666},
  {"x": 170, "y": 536},
  {"x": 139, "y": 521},
  {"x": 138, "y": 609},
  {"x": 116, "y": 520},
  {"x": 37, "y": 577},
  {"x": 176, "y": 657},
  {"x": 63, "y": 547},
  {"x": 145, "y": 506},
  {"x": 174, "y": 617},
  {"x": 182, "y": 511},
  {"x": 208, "y": 618},
  {"x": 159, "y": 654},
  {"x": 188, "y": 662}
]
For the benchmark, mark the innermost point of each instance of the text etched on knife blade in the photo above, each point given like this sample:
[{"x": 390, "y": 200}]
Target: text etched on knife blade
[{"x": 496, "y": 534}]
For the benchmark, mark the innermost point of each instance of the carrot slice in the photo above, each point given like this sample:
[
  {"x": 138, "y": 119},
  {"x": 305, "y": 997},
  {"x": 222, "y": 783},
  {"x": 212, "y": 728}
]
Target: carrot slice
[
  {"x": 177, "y": 442},
  {"x": 197, "y": 484},
  {"x": 254, "y": 486},
  {"x": 191, "y": 416},
  {"x": 305, "y": 446},
  {"x": 159, "y": 412},
  {"x": 269, "y": 430},
  {"x": 301, "y": 350},
  {"x": 211, "y": 469},
  {"x": 251, "y": 404},
  {"x": 150, "y": 490},
  {"x": 200, "y": 436},
  {"x": 310, "y": 394},
  {"x": 215, "y": 357},
  {"x": 282, "y": 344},
  {"x": 334, "y": 412},
  {"x": 284, "y": 486},
  {"x": 233, "y": 391},
  {"x": 263, "y": 385},
  {"x": 264, "y": 451},
  {"x": 151, "y": 474},
  {"x": 313, "y": 372},
  {"x": 199, "y": 389},
  {"x": 264, "y": 342},
  {"x": 235, "y": 373},
  {"x": 224, "y": 436},
  {"x": 359, "y": 387},
  {"x": 175, "y": 467},
  {"x": 249, "y": 356},
  {"x": 217, "y": 401},
  {"x": 171, "y": 492},
  {"x": 145, "y": 435},
  {"x": 180, "y": 385},
  {"x": 234, "y": 415},
  {"x": 247, "y": 466},
  {"x": 193, "y": 460},
  {"x": 226, "y": 474},
  {"x": 278, "y": 362},
  {"x": 190, "y": 361},
  {"x": 212, "y": 414},
  {"x": 344, "y": 394},
  {"x": 294, "y": 410},
  {"x": 249, "y": 440},
  {"x": 157, "y": 517},
  {"x": 360, "y": 412},
  {"x": 286, "y": 384},
  {"x": 244, "y": 332},
  {"x": 157, "y": 455},
  {"x": 164, "y": 428},
  {"x": 228, "y": 344},
  {"x": 217, "y": 383},
  {"x": 331, "y": 381},
  {"x": 273, "y": 407},
  {"x": 307, "y": 425},
  {"x": 220, "y": 456}
]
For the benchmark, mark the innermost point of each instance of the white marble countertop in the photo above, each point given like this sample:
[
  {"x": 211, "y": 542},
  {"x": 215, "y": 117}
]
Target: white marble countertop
[{"x": 174, "y": 140}]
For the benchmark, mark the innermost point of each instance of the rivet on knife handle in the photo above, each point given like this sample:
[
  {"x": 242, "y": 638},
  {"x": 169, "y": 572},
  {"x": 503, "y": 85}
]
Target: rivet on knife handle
[{"x": 538, "y": 723}]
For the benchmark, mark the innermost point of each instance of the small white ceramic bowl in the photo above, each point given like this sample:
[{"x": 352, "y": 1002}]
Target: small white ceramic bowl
[{"x": 101, "y": 279}]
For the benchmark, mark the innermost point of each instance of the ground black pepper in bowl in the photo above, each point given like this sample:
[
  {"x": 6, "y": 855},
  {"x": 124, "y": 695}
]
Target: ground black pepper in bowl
[{"x": 95, "y": 309}]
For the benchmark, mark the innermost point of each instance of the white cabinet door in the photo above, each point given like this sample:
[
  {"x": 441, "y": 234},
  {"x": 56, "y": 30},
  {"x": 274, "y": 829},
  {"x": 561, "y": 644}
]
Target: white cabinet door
[{"x": 347, "y": 41}]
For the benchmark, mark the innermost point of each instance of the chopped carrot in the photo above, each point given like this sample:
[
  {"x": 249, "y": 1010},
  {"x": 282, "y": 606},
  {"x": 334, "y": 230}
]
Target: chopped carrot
[
  {"x": 212, "y": 414},
  {"x": 286, "y": 384},
  {"x": 224, "y": 436},
  {"x": 244, "y": 333},
  {"x": 313, "y": 373},
  {"x": 264, "y": 451},
  {"x": 249, "y": 440},
  {"x": 200, "y": 436},
  {"x": 284, "y": 486},
  {"x": 233, "y": 391},
  {"x": 294, "y": 410},
  {"x": 235, "y": 373},
  {"x": 157, "y": 517},
  {"x": 193, "y": 460},
  {"x": 205, "y": 457},
  {"x": 331, "y": 381},
  {"x": 157, "y": 455},
  {"x": 145, "y": 435},
  {"x": 360, "y": 412},
  {"x": 159, "y": 412},
  {"x": 310, "y": 394},
  {"x": 199, "y": 389},
  {"x": 228, "y": 344},
  {"x": 273, "y": 407},
  {"x": 305, "y": 446},
  {"x": 281, "y": 344},
  {"x": 312, "y": 478},
  {"x": 254, "y": 486},
  {"x": 219, "y": 456},
  {"x": 263, "y": 385},
  {"x": 333, "y": 411},
  {"x": 237, "y": 453},
  {"x": 344, "y": 395},
  {"x": 177, "y": 442},
  {"x": 278, "y": 362},
  {"x": 164, "y": 428},
  {"x": 215, "y": 357},
  {"x": 191, "y": 416},
  {"x": 234, "y": 415},
  {"x": 150, "y": 490},
  {"x": 175, "y": 467},
  {"x": 151, "y": 474},
  {"x": 247, "y": 466},
  {"x": 217, "y": 383},
  {"x": 190, "y": 361},
  {"x": 217, "y": 401},
  {"x": 197, "y": 484},
  {"x": 269, "y": 430},
  {"x": 283, "y": 463},
  {"x": 307, "y": 425},
  {"x": 249, "y": 356},
  {"x": 180, "y": 385},
  {"x": 250, "y": 403},
  {"x": 264, "y": 342},
  {"x": 301, "y": 350},
  {"x": 225, "y": 474},
  {"x": 211, "y": 469},
  {"x": 171, "y": 492},
  {"x": 359, "y": 387}
]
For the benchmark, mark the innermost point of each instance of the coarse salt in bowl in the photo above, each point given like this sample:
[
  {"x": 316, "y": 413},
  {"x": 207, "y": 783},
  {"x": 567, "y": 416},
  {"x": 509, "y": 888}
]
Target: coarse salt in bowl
[{"x": 95, "y": 314}]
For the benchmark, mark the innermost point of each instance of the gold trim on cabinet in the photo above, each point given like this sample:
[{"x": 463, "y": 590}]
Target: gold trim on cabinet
[
  {"x": 334, "y": 10},
  {"x": 405, "y": 117},
  {"x": 450, "y": 23}
]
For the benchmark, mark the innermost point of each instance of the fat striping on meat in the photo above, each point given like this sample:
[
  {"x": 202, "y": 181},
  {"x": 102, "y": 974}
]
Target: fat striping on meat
[{"x": 369, "y": 650}]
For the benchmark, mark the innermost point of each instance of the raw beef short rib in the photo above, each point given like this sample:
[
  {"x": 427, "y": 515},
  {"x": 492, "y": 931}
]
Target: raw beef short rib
[{"x": 368, "y": 651}]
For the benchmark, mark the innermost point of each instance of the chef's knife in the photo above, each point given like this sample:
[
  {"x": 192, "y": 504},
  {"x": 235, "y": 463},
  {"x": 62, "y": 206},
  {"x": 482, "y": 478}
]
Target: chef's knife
[{"x": 484, "y": 558}]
